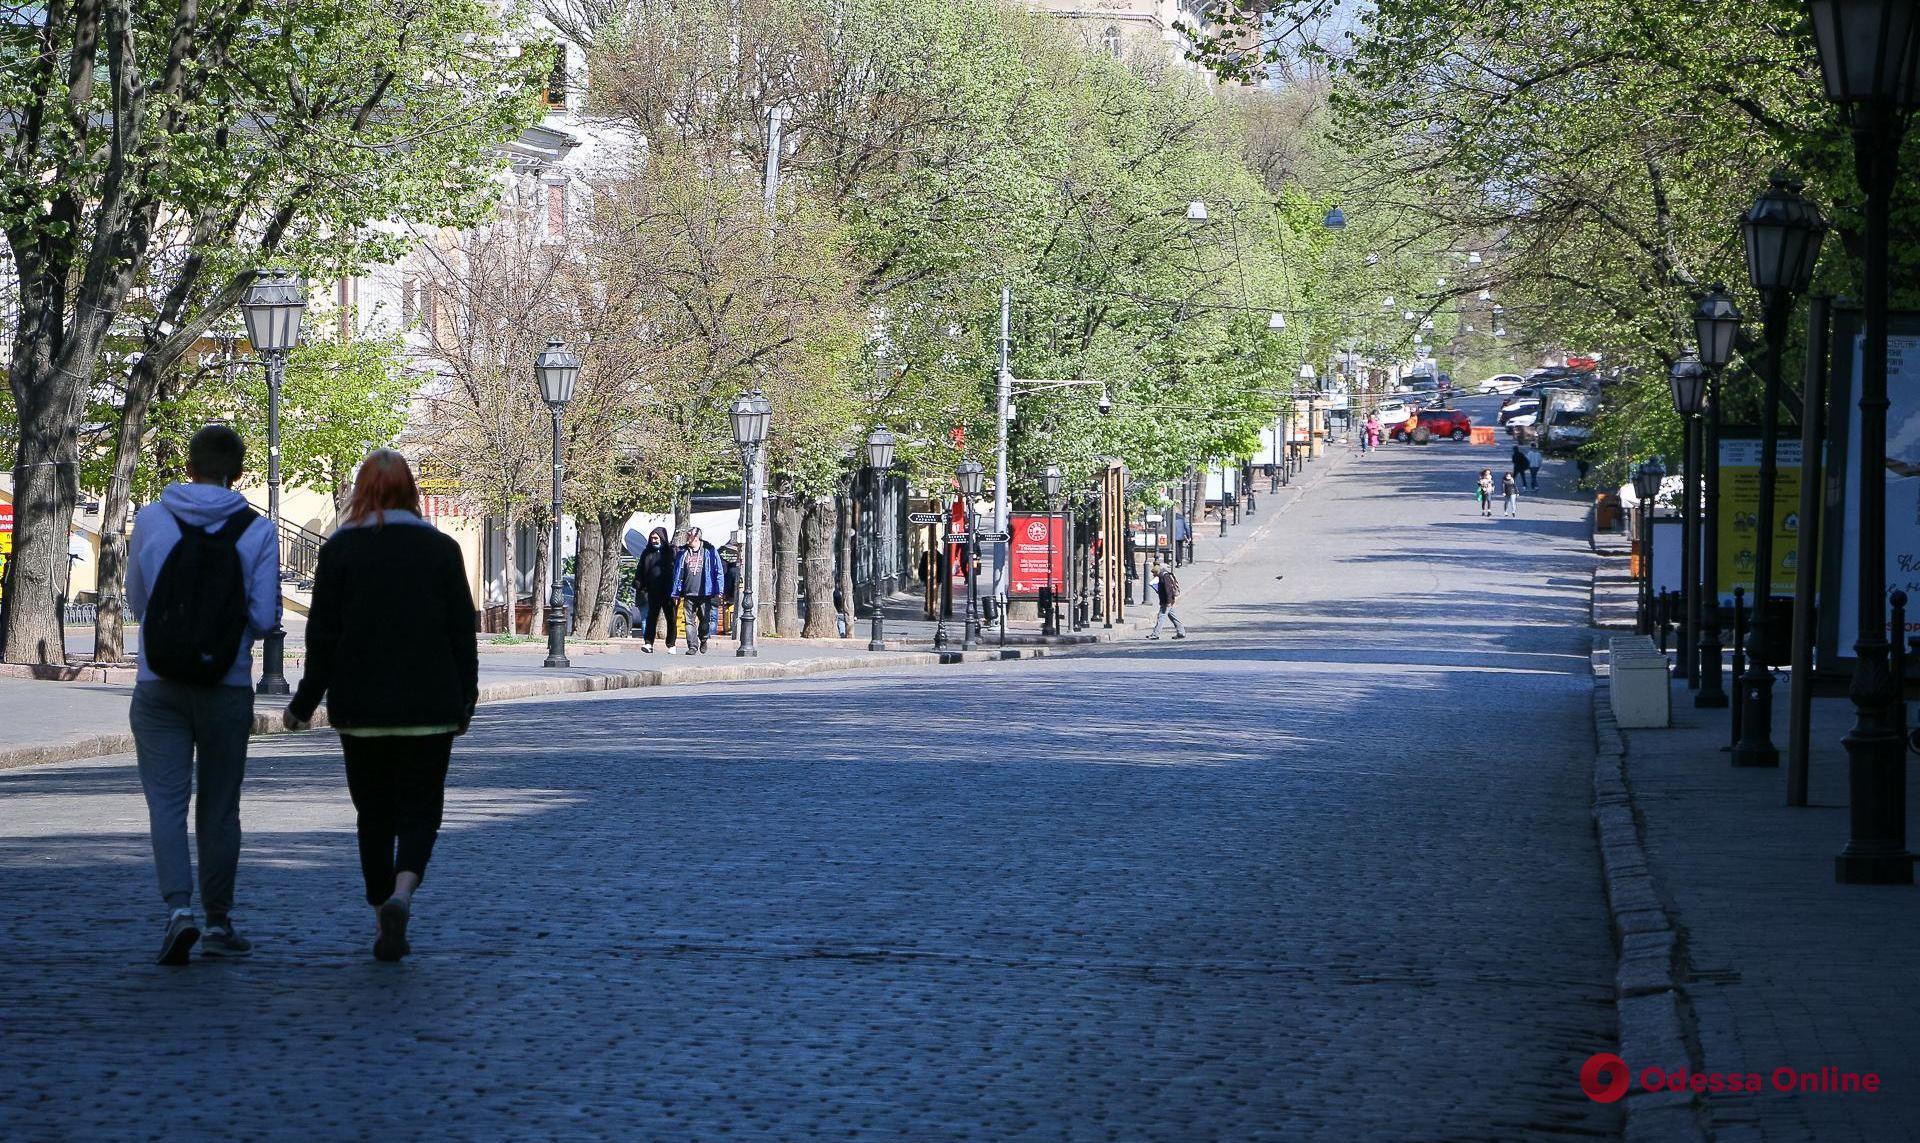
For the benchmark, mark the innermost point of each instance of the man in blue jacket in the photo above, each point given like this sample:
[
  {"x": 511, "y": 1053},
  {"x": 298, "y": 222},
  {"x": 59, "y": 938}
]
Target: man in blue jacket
[
  {"x": 698, "y": 580},
  {"x": 183, "y": 731}
]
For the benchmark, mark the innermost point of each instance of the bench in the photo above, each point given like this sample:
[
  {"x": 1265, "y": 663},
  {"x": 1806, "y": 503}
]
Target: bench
[{"x": 1637, "y": 682}]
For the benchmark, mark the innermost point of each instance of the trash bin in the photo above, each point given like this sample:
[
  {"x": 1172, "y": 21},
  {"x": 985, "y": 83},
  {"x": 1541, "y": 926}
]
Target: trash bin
[{"x": 1607, "y": 513}]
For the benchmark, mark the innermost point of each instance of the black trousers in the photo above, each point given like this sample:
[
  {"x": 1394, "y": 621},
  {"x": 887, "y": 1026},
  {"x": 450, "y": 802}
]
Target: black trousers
[
  {"x": 399, "y": 788},
  {"x": 656, "y": 610}
]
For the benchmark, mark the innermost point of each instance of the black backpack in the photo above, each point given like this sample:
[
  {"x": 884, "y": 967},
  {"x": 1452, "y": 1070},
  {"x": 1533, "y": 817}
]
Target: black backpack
[{"x": 197, "y": 614}]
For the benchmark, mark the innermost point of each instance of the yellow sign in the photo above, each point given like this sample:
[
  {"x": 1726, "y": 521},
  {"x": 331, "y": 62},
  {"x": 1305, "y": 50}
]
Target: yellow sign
[{"x": 1740, "y": 517}]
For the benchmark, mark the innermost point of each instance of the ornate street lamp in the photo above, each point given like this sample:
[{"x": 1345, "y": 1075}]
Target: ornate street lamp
[
  {"x": 971, "y": 475},
  {"x": 1783, "y": 231},
  {"x": 1646, "y": 486},
  {"x": 880, "y": 460},
  {"x": 1870, "y": 58},
  {"x": 1335, "y": 220},
  {"x": 272, "y": 308},
  {"x": 1716, "y": 322},
  {"x": 1196, "y": 211},
  {"x": 1689, "y": 381},
  {"x": 557, "y": 370},
  {"x": 1050, "y": 481},
  {"x": 751, "y": 414}
]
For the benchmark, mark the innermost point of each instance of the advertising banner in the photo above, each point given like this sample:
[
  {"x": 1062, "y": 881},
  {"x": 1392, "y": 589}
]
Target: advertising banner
[
  {"x": 6, "y": 529},
  {"x": 1840, "y": 614},
  {"x": 1039, "y": 551},
  {"x": 1739, "y": 515}
]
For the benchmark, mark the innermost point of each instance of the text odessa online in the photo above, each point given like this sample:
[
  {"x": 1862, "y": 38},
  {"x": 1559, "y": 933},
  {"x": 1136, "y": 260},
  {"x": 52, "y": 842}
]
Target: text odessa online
[{"x": 1827, "y": 1079}]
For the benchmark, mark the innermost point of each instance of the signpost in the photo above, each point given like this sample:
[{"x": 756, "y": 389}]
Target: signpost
[{"x": 924, "y": 517}]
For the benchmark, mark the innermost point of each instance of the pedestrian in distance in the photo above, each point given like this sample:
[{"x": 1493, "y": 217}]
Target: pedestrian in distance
[
  {"x": 1534, "y": 462},
  {"x": 203, "y": 580},
  {"x": 1373, "y": 432},
  {"x": 391, "y": 648},
  {"x": 1168, "y": 589},
  {"x": 1521, "y": 465},
  {"x": 1507, "y": 487},
  {"x": 653, "y": 586},
  {"x": 698, "y": 580},
  {"x": 1484, "y": 489}
]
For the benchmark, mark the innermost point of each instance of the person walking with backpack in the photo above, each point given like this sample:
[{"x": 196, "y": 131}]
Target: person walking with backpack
[
  {"x": 698, "y": 580},
  {"x": 1521, "y": 465},
  {"x": 653, "y": 586},
  {"x": 1168, "y": 588},
  {"x": 391, "y": 647},
  {"x": 203, "y": 580}
]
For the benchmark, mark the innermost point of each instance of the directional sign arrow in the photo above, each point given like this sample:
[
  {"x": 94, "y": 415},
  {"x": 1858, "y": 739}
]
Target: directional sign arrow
[
  {"x": 925, "y": 517},
  {"x": 995, "y": 537},
  {"x": 957, "y": 537}
]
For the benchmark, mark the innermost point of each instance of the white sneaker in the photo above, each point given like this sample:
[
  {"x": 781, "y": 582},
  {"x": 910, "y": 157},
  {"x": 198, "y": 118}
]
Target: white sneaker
[{"x": 673, "y": 650}]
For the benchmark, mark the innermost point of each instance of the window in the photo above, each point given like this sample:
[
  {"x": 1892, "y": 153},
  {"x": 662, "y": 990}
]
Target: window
[
  {"x": 556, "y": 210},
  {"x": 557, "y": 80},
  {"x": 1110, "y": 42}
]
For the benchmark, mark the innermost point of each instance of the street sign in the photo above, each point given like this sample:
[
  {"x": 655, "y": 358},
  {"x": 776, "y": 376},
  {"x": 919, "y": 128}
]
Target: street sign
[
  {"x": 957, "y": 537},
  {"x": 925, "y": 517},
  {"x": 994, "y": 537}
]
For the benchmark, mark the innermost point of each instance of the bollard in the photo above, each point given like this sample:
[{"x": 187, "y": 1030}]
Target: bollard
[{"x": 1739, "y": 654}]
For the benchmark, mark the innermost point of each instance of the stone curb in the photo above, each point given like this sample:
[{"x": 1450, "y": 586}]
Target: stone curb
[
  {"x": 1648, "y": 990},
  {"x": 267, "y": 722}
]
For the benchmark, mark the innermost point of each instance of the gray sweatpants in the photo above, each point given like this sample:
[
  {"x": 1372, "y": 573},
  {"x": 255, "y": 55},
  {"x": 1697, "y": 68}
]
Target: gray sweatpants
[{"x": 176, "y": 725}]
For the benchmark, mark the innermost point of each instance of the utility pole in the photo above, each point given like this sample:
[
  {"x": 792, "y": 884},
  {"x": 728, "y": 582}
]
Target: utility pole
[{"x": 1003, "y": 397}]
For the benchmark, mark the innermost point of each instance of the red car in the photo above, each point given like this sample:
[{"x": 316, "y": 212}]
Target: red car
[{"x": 1428, "y": 424}]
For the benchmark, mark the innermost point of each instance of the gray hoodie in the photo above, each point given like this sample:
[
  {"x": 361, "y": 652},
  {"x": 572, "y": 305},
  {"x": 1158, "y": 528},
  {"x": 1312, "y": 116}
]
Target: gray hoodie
[{"x": 205, "y": 506}]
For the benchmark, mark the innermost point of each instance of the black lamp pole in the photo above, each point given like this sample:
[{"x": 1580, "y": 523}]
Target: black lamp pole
[
  {"x": 971, "y": 474},
  {"x": 880, "y": 460},
  {"x": 1867, "y": 57},
  {"x": 272, "y": 307},
  {"x": 1689, "y": 380},
  {"x": 1715, "y": 322},
  {"x": 557, "y": 370}
]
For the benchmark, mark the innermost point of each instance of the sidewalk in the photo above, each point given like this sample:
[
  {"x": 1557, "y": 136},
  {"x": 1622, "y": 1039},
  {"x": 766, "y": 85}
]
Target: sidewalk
[{"x": 1775, "y": 964}]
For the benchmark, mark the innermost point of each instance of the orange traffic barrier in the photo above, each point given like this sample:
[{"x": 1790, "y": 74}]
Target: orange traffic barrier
[{"x": 1483, "y": 435}]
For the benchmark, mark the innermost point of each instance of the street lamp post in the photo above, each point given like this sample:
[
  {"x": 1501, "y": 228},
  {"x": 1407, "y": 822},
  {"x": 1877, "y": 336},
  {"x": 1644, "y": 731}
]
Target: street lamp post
[
  {"x": 1715, "y": 322},
  {"x": 272, "y": 309},
  {"x": 971, "y": 474},
  {"x": 1646, "y": 485},
  {"x": 557, "y": 370},
  {"x": 1050, "y": 481},
  {"x": 879, "y": 459},
  {"x": 751, "y": 414},
  {"x": 1783, "y": 231},
  {"x": 1689, "y": 380},
  {"x": 1867, "y": 57}
]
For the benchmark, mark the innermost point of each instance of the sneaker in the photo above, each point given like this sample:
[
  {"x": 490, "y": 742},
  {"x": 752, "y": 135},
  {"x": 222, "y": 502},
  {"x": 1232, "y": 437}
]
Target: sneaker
[
  {"x": 1153, "y": 636},
  {"x": 223, "y": 942},
  {"x": 672, "y": 650},
  {"x": 178, "y": 943},
  {"x": 1179, "y": 634},
  {"x": 647, "y": 647},
  {"x": 703, "y": 646},
  {"x": 392, "y": 944}
]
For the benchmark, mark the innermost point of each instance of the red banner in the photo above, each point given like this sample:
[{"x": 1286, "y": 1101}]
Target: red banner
[{"x": 1038, "y": 554}]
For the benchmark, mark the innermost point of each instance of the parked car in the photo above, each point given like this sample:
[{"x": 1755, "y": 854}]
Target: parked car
[
  {"x": 1392, "y": 413},
  {"x": 1525, "y": 407},
  {"x": 626, "y": 613},
  {"x": 1428, "y": 424},
  {"x": 1502, "y": 383},
  {"x": 1523, "y": 423}
]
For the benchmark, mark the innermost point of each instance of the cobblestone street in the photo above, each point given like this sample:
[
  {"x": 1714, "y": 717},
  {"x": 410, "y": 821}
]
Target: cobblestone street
[{"x": 1323, "y": 870}]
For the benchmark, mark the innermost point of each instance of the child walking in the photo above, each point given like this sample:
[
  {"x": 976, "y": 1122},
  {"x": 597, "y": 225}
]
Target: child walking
[{"x": 1506, "y": 494}]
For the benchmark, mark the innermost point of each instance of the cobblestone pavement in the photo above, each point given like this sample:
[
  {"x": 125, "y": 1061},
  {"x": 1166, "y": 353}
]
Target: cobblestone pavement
[{"x": 1322, "y": 871}]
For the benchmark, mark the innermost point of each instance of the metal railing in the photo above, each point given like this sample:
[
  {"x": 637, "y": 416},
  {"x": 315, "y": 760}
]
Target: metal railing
[{"x": 299, "y": 553}]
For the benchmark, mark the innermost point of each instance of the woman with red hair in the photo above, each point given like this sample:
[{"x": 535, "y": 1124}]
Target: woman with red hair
[{"x": 391, "y": 647}]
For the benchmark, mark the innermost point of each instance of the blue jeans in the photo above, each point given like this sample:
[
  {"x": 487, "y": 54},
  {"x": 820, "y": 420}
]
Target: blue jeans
[
  {"x": 1168, "y": 613},
  {"x": 182, "y": 731}
]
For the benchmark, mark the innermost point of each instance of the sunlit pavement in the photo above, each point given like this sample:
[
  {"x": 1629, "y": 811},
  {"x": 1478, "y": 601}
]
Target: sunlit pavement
[{"x": 1323, "y": 870}]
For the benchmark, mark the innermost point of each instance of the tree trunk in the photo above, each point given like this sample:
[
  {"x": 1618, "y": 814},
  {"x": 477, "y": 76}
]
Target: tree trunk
[
  {"x": 786, "y": 559},
  {"x": 613, "y": 527},
  {"x": 843, "y": 547},
  {"x": 511, "y": 578},
  {"x": 46, "y": 486},
  {"x": 586, "y": 579},
  {"x": 542, "y": 573},
  {"x": 817, "y": 531},
  {"x": 109, "y": 623}
]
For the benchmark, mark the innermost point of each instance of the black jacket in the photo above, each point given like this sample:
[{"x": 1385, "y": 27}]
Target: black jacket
[
  {"x": 654, "y": 577},
  {"x": 390, "y": 636}
]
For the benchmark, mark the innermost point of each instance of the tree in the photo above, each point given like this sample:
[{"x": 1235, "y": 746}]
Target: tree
[{"x": 166, "y": 146}]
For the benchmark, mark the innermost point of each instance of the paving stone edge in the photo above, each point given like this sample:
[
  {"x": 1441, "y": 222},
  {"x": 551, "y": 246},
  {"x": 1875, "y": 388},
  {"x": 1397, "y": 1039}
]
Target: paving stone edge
[
  {"x": 267, "y": 722},
  {"x": 1649, "y": 997}
]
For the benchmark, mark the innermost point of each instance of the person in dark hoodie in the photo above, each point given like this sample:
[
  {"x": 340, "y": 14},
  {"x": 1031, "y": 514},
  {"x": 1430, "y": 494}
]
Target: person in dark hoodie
[
  {"x": 653, "y": 586},
  {"x": 1522, "y": 465},
  {"x": 391, "y": 647},
  {"x": 190, "y": 729}
]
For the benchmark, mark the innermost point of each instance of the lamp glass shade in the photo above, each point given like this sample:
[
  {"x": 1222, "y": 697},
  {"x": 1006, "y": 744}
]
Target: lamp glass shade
[
  {"x": 751, "y": 414},
  {"x": 558, "y": 370},
  {"x": 1196, "y": 211},
  {"x": 1716, "y": 320},
  {"x": 1782, "y": 230},
  {"x": 880, "y": 448},
  {"x": 1050, "y": 481},
  {"x": 1276, "y": 320},
  {"x": 1307, "y": 373},
  {"x": 1689, "y": 380},
  {"x": 971, "y": 475},
  {"x": 272, "y": 308},
  {"x": 1868, "y": 50},
  {"x": 1335, "y": 220},
  {"x": 1647, "y": 480}
]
